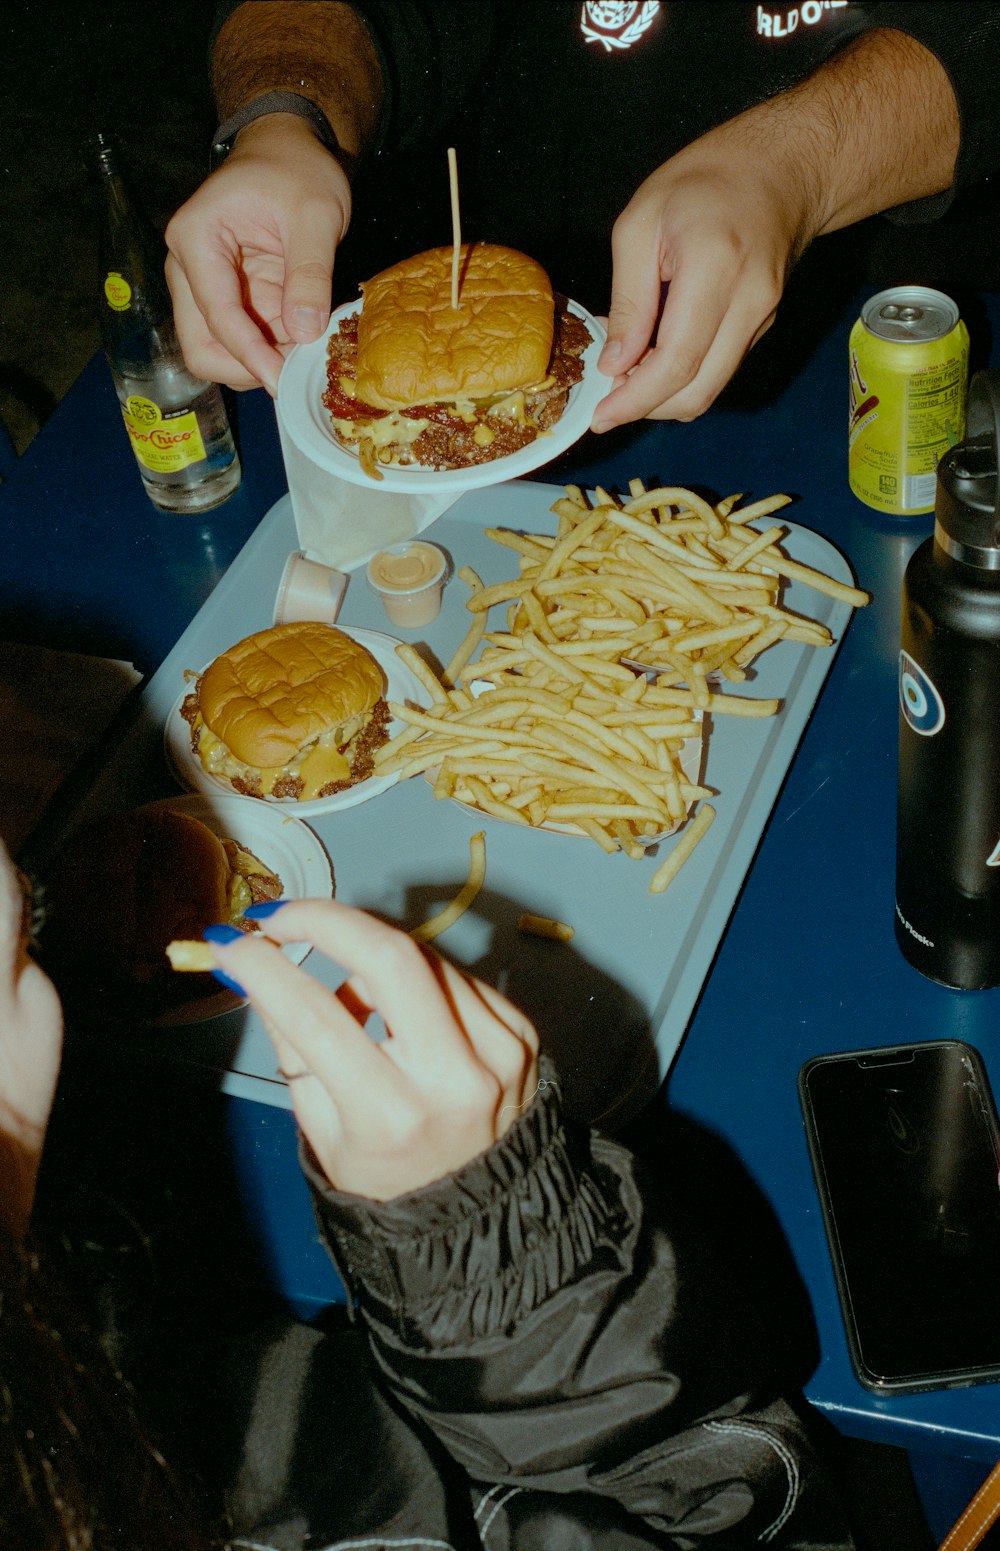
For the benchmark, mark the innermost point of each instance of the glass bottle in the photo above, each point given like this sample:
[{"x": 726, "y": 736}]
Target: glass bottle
[{"x": 177, "y": 424}]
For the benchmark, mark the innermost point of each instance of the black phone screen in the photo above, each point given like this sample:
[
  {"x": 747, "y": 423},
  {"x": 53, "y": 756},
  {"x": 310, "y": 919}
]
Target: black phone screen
[{"x": 905, "y": 1151}]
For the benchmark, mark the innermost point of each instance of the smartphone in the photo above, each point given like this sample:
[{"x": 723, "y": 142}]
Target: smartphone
[{"x": 905, "y": 1149}]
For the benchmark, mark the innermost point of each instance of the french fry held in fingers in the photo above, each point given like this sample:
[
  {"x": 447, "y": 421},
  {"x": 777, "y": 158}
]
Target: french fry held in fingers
[
  {"x": 621, "y": 631},
  {"x": 190, "y": 957}
]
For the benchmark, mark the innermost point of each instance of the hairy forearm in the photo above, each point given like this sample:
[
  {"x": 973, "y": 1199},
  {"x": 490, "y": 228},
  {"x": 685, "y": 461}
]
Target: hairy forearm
[
  {"x": 317, "y": 47},
  {"x": 877, "y": 126}
]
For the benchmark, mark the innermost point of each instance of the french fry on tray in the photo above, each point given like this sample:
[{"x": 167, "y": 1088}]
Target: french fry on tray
[
  {"x": 457, "y": 907},
  {"x": 620, "y": 632},
  {"x": 545, "y": 926}
]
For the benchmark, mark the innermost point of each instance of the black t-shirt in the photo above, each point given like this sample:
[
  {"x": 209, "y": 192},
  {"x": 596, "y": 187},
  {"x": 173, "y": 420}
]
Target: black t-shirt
[{"x": 560, "y": 109}]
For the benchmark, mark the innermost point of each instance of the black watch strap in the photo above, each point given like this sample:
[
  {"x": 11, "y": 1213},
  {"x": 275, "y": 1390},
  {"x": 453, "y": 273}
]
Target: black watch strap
[{"x": 273, "y": 102}]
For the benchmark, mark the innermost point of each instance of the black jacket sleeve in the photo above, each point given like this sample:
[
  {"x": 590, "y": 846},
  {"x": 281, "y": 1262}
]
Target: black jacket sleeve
[{"x": 531, "y": 1312}]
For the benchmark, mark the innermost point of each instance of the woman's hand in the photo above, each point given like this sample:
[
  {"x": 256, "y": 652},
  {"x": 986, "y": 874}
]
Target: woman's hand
[
  {"x": 30, "y": 1051},
  {"x": 457, "y": 1067}
]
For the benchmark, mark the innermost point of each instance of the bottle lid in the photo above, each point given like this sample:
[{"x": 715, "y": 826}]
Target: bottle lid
[
  {"x": 101, "y": 151},
  {"x": 967, "y": 508}
]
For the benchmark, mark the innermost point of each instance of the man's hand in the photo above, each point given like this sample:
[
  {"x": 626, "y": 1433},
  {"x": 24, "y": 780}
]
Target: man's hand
[
  {"x": 720, "y": 225},
  {"x": 30, "y": 1052},
  {"x": 721, "y": 235},
  {"x": 251, "y": 254},
  {"x": 457, "y": 1068}
]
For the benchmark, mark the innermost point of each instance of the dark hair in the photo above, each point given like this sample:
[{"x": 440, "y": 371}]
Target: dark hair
[{"x": 77, "y": 1472}]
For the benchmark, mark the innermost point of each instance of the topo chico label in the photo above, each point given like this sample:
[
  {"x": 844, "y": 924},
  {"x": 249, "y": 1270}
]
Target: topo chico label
[
  {"x": 165, "y": 444},
  {"x": 117, "y": 291}
]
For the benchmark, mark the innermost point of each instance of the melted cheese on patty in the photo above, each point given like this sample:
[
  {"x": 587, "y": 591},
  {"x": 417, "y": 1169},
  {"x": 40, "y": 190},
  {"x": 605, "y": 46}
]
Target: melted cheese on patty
[{"x": 317, "y": 766}]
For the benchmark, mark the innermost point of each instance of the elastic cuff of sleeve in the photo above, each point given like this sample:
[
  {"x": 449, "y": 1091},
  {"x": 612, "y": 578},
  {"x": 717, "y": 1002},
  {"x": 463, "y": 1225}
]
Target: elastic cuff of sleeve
[
  {"x": 484, "y": 1245},
  {"x": 273, "y": 102}
]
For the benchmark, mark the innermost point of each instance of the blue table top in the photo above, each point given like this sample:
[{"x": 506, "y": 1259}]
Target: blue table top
[
  {"x": 90, "y": 563},
  {"x": 809, "y": 962}
]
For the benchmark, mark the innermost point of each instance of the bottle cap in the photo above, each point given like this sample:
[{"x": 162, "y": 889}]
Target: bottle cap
[
  {"x": 967, "y": 508},
  {"x": 101, "y": 150}
]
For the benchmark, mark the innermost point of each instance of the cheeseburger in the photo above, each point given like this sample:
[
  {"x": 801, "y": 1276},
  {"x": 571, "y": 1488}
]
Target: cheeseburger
[
  {"x": 121, "y": 889},
  {"x": 293, "y": 712},
  {"x": 412, "y": 380}
]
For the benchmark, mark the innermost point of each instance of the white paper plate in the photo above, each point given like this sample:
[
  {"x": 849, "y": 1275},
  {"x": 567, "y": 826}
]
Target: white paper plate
[
  {"x": 300, "y": 404},
  {"x": 284, "y": 844},
  {"x": 190, "y": 772}
]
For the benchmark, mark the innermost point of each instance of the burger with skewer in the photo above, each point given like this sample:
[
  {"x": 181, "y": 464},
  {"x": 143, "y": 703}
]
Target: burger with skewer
[{"x": 449, "y": 364}]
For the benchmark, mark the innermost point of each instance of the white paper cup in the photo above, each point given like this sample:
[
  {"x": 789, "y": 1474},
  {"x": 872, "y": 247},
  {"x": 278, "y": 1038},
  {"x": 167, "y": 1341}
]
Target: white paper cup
[
  {"x": 308, "y": 590},
  {"x": 409, "y": 578}
]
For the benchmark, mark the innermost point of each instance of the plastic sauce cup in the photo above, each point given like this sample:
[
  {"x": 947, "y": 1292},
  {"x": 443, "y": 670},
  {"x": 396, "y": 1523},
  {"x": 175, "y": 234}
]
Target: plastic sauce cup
[
  {"x": 308, "y": 590},
  {"x": 409, "y": 578}
]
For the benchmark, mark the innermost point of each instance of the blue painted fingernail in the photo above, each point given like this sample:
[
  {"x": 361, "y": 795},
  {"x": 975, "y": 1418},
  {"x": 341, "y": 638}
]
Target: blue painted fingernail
[
  {"x": 229, "y": 983},
  {"x": 264, "y": 910},
  {"x": 223, "y": 934}
]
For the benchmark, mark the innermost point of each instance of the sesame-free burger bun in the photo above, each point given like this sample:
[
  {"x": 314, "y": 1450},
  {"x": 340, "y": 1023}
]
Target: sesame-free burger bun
[
  {"x": 291, "y": 712},
  {"x": 275, "y": 691},
  {"x": 415, "y": 348},
  {"x": 121, "y": 888},
  {"x": 412, "y": 381}
]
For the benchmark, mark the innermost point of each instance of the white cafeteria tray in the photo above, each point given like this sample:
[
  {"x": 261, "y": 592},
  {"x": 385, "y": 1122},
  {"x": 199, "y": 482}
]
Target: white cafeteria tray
[{"x": 612, "y": 1005}]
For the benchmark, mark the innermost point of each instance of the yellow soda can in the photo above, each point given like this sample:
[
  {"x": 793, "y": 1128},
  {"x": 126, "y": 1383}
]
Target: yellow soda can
[{"x": 909, "y": 370}]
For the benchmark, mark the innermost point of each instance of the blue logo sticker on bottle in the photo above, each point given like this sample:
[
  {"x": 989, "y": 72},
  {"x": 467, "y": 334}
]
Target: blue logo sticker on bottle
[{"x": 921, "y": 704}]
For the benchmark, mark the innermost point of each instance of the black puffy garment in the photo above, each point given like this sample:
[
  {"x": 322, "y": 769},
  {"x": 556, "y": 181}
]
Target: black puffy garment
[{"x": 548, "y": 1374}]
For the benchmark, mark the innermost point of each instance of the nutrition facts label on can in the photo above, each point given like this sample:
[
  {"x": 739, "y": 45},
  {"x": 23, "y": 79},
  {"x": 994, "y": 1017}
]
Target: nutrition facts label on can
[{"x": 932, "y": 426}]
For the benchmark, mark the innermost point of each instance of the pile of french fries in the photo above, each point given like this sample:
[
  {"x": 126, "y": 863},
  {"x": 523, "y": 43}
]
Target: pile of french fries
[{"x": 621, "y": 630}]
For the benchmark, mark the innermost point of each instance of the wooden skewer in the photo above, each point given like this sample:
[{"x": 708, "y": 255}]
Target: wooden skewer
[{"x": 456, "y": 224}]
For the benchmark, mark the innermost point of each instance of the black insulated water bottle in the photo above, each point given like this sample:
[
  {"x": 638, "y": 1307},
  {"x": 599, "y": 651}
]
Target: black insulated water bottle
[{"x": 948, "y": 820}]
